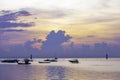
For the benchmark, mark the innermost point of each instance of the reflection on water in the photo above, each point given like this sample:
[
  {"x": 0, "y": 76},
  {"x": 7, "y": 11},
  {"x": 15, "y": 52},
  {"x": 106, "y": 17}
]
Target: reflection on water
[
  {"x": 22, "y": 72},
  {"x": 84, "y": 74},
  {"x": 49, "y": 72},
  {"x": 55, "y": 73},
  {"x": 31, "y": 72}
]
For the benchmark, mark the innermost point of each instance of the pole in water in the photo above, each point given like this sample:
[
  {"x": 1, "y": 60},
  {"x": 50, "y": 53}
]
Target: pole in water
[
  {"x": 106, "y": 56},
  {"x": 31, "y": 56}
]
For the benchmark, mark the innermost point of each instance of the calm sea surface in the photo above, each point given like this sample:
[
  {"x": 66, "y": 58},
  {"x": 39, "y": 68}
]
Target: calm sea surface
[{"x": 87, "y": 69}]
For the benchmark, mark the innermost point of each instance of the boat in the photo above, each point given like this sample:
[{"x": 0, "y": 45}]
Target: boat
[
  {"x": 10, "y": 61},
  {"x": 24, "y": 62},
  {"x": 51, "y": 60},
  {"x": 44, "y": 62},
  {"x": 74, "y": 61}
]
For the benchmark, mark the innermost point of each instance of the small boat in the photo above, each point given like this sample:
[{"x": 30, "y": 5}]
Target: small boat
[
  {"x": 10, "y": 61},
  {"x": 74, "y": 61},
  {"x": 44, "y": 62},
  {"x": 51, "y": 60},
  {"x": 24, "y": 62}
]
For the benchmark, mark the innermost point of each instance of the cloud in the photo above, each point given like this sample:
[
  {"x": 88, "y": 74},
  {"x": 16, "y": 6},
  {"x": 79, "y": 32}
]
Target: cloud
[
  {"x": 53, "y": 43},
  {"x": 3, "y": 38},
  {"x": 50, "y": 13},
  {"x": 12, "y": 30},
  {"x": 91, "y": 36},
  {"x": 103, "y": 4},
  {"x": 55, "y": 13},
  {"x": 52, "y": 47},
  {"x": 6, "y": 20},
  {"x": 12, "y": 16},
  {"x": 9, "y": 24},
  {"x": 102, "y": 19},
  {"x": 20, "y": 50},
  {"x": 87, "y": 37},
  {"x": 14, "y": 24},
  {"x": 97, "y": 50},
  {"x": 49, "y": 48},
  {"x": 117, "y": 39}
]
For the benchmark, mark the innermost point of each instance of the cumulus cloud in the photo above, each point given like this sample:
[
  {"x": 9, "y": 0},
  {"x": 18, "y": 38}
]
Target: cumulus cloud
[
  {"x": 52, "y": 47},
  {"x": 49, "y": 48},
  {"x": 53, "y": 44}
]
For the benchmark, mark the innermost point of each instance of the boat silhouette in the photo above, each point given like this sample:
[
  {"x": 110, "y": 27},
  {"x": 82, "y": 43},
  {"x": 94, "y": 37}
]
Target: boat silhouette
[
  {"x": 74, "y": 61},
  {"x": 51, "y": 60},
  {"x": 24, "y": 62},
  {"x": 10, "y": 61}
]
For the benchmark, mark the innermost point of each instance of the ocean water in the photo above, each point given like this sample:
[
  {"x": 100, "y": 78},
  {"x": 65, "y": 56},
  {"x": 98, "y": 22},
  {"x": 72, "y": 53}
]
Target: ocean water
[{"x": 87, "y": 69}]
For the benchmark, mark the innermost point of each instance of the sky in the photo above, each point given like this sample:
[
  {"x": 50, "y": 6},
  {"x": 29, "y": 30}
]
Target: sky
[{"x": 63, "y": 28}]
